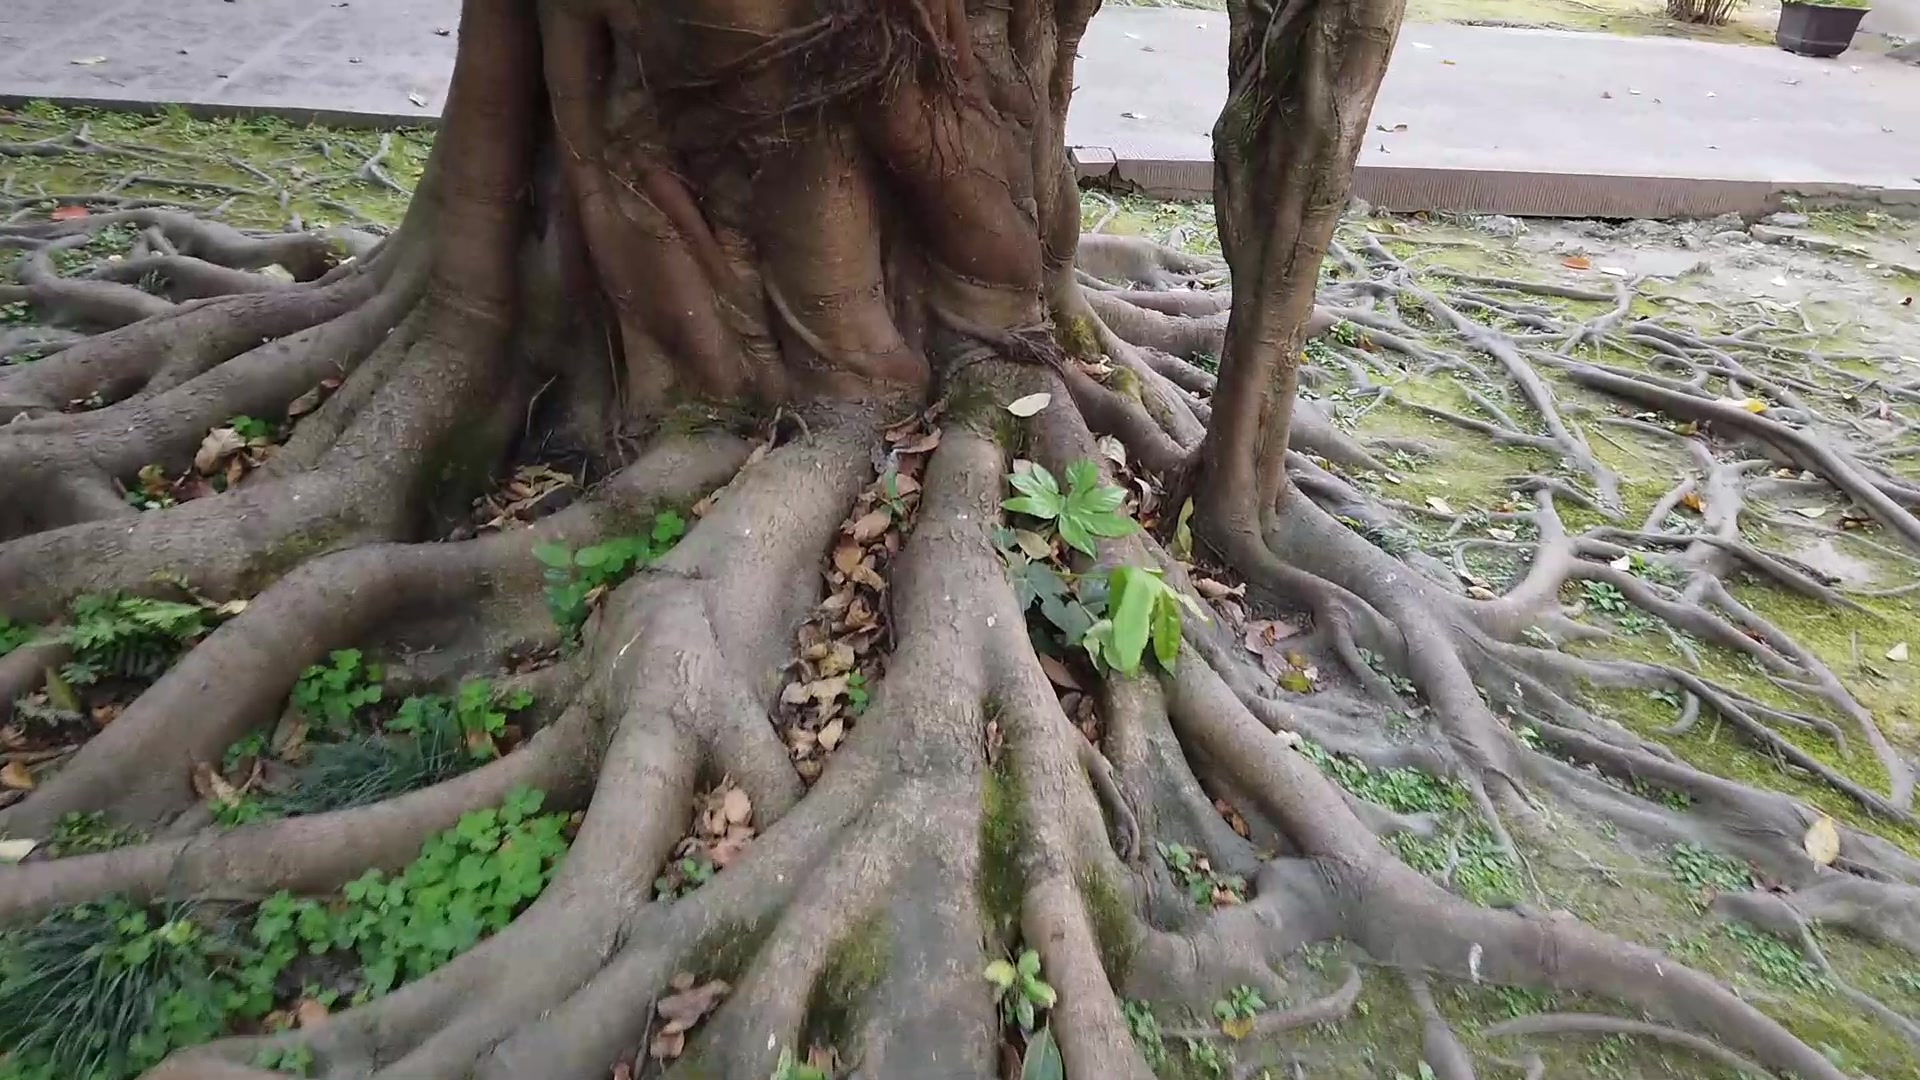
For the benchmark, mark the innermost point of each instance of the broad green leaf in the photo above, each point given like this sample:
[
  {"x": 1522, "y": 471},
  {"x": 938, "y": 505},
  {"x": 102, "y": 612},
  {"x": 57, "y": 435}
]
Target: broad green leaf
[
  {"x": 554, "y": 555},
  {"x": 1037, "y": 483},
  {"x": 1032, "y": 507},
  {"x": 598, "y": 555},
  {"x": 1098, "y": 640},
  {"x": 1132, "y": 593},
  {"x": 1043, "y": 1058},
  {"x": 1042, "y": 994},
  {"x": 1035, "y": 582},
  {"x": 1000, "y": 973},
  {"x": 1166, "y": 628},
  {"x": 1028, "y": 964},
  {"x": 1070, "y": 617},
  {"x": 1074, "y": 533},
  {"x": 1183, "y": 532},
  {"x": 1083, "y": 475}
]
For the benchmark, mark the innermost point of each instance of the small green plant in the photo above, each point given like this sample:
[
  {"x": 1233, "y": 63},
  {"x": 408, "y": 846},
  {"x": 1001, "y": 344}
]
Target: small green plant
[
  {"x": 792, "y": 1068},
  {"x": 1402, "y": 685},
  {"x": 1211, "y": 1059},
  {"x": 477, "y": 713},
  {"x": 1141, "y": 607},
  {"x": 128, "y": 637},
  {"x": 468, "y": 882},
  {"x": 577, "y": 579},
  {"x": 13, "y": 635},
  {"x": 1241, "y": 1003},
  {"x": 1145, "y": 1029},
  {"x": 1088, "y": 509},
  {"x": 858, "y": 697},
  {"x": 682, "y": 877},
  {"x": 251, "y": 745},
  {"x": 251, "y": 429},
  {"x": 332, "y": 695},
  {"x": 1019, "y": 990},
  {"x": 1635, "y": 623},
  {"x": 84, "y": 834},
  {"x": 1704, "y": 872},
  {"x": 1604, "y": 596},
  {"x": 297, "y": 1059},
  {"x": 16, "y": 311},
  {"x": 1518, "y": 1001},
  {"x": 1776, "y": 961},
  {"x": 1345, "y": 333},
  {"x": 1194, "y": 873},
  {"x": 103, "y": 991}
]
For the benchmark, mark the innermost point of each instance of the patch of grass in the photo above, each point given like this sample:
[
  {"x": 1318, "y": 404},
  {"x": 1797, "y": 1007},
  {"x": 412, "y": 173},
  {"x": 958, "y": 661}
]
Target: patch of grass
[{"x": 104, "y": 991}]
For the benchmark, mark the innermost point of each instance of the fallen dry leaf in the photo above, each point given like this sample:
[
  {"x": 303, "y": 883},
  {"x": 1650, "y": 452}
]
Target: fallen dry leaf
[
  {"x": 209, "y": 784},
  {"x": 737, "y": 807},
  {"x": 1217, "y": 590},
  {"x": 309, "y": 1013},
  {"x": 831, "y": 733},
  {"x": 1237, "y": 1028},
  {"x": 216, "y": 448},
  {"x": 846, "y": 558},
  {"x": 16, "y": 776},
  {"x": 1822, "y": 842},
  {"x": 12, "y": 851},
  {"x": 922, "y": 444},
  {"x": 683, "y": 1010},
  {"x": 1898, "y": 654},
  {"x": 1032, "y": 544},
  {"x": 1029, "y": 405},
  {"x": 1692, "y": 502},
  {"x": 69, "y": 213},
  {"x": 1058, "y": 673},
  {"x": 1438, "y": 505},
  {"x": 871, "y": 525}
]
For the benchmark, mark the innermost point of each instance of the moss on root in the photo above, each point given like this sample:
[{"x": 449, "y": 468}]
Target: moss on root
[{"x": 855, "y": 965}]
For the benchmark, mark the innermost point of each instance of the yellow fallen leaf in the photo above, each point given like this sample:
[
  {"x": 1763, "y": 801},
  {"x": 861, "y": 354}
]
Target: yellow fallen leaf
[
  {"x": 16, "y": 776},
  {"x": 1237, "y": 1028},
  {"x": 1577, "y": 262},
  {"x": 1822, "y": 842}
]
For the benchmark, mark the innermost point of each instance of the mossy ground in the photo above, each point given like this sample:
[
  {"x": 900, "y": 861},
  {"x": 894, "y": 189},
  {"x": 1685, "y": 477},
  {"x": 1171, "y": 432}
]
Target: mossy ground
[
  {"x": 1607, "y": 879},
  {"x": 317, "y": 167}
]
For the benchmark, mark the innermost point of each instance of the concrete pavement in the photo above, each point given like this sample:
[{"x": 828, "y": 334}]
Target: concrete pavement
[{"x": 1495, "y": 120}]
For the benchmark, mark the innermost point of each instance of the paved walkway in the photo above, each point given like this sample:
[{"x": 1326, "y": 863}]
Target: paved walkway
[{"x": 1475, "y": 118}]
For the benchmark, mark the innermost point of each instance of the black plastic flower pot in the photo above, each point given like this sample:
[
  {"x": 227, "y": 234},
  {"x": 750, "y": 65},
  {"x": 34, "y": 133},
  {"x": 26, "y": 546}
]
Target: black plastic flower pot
[{"x": 1813, "y": 30}]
